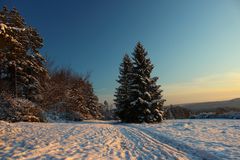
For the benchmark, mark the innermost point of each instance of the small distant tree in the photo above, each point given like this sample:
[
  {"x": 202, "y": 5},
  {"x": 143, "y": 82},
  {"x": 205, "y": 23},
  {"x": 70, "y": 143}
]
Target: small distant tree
[
  {"x": 92, "y": 104},
  {"x": 122, "y": 94},
  {"x": 106, "y": 105}
]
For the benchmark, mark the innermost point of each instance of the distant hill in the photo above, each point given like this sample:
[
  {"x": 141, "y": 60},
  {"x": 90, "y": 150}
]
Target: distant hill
[{"x": 233, "y": 104}]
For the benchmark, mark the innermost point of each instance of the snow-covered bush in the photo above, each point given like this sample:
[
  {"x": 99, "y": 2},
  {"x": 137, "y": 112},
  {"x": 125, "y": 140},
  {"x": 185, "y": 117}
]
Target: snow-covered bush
[
  {"x": 69, "y": 96},
  {"x": 17, "y": 109},
  {"x": 60, "y": 112}
]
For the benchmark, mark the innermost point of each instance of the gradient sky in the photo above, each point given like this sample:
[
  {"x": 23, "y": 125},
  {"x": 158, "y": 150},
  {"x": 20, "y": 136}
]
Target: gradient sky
[{"x": 194, "y": 45}]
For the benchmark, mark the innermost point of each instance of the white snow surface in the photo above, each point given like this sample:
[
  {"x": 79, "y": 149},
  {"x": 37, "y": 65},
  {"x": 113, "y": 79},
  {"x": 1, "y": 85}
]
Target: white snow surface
[{"x": 172, "y": 139}]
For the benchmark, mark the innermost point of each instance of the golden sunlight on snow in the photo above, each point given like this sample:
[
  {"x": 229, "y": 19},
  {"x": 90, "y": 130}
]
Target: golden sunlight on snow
[{"x": 171, "y": 140}]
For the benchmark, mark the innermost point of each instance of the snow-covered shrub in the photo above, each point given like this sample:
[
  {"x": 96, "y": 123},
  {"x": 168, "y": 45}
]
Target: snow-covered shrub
[
  {"x": 17, "y": 109},
  {"x": 59, "y": 112},
  {"x": 61, "y": 117},
  {"x": 70, "y": 96}
]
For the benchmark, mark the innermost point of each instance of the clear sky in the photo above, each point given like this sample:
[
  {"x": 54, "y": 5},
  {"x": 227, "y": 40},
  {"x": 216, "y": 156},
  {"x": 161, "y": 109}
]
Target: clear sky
[{"x": 194, "y": 44}]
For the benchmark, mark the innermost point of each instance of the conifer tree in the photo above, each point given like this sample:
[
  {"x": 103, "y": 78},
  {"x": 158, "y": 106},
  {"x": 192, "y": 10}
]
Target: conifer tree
[
  {"x": 145, "y": 94},
  {"x": 122, "y": 99},
  {"x": 21, "y": 62},
  {"x": 91, "y": 101}
]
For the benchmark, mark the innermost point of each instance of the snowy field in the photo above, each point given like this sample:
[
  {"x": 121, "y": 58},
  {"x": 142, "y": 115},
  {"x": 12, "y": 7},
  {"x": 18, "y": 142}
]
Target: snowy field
[{"x": 172, "y": 139}]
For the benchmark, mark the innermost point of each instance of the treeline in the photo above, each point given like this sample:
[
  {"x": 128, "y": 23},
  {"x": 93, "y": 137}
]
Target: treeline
[
  {"x": 28, "y": 92},
  {"x": 71, "y": 95}
]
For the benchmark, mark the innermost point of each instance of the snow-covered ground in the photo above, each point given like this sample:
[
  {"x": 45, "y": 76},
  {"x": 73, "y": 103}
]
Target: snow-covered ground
[{"x": 172, "y": 139}]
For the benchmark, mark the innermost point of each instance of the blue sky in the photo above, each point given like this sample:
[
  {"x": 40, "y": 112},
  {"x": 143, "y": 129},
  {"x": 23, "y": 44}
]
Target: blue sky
[{"x": 194, "y": 45}]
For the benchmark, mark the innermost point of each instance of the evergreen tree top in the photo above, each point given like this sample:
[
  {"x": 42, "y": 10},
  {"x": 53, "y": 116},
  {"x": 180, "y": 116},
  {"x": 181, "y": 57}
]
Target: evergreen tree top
[
  {"x": 142, "y": 64},
  {"x": 126, "y": 58},
  {"x": 126, "y": 65},
  {"x": 139, "y": 50},
  {"x": 12, "y": 18}
]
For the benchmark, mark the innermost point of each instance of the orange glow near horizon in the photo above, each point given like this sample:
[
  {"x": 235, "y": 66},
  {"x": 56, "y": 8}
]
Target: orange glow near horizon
[{"x": 210, "y": 88}]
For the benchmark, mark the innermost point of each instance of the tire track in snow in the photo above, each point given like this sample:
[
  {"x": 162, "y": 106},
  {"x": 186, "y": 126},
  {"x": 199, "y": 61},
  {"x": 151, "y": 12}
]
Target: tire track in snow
[
  {"x": 147, "y": 147},
  {"x": 193, "y": 153},
  {"x": 108, "y": 142}
]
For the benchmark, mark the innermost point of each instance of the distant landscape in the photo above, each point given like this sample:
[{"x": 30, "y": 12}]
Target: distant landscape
[
  {"x": 228, "y": 109},
  {"x": 233, "y": 104}
]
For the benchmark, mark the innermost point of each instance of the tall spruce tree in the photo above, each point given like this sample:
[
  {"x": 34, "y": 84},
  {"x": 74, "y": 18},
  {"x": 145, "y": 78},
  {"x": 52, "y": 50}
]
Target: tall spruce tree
[
  {"x": 21, "y": 63},
  {"x": 122, "y": 95},
  {"x": 145, "y": 94}
]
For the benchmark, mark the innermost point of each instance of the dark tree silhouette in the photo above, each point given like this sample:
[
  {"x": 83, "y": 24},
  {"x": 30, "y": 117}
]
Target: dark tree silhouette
[
  {"x": 138, "y": 98},
  {"x": 122, "y": 94}
]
